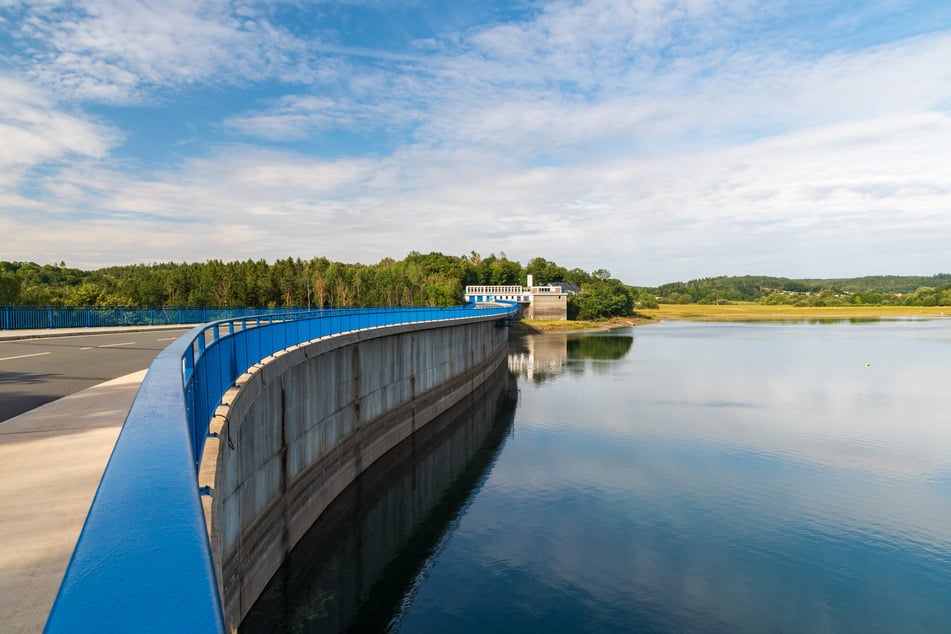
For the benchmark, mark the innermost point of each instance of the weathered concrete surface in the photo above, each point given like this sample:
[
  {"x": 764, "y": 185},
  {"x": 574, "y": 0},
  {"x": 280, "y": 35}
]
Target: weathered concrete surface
[
  {"x": 404, "y": 502},
  {"x": 552, "y": 307},
  {"x": 303, "y": 425},
  {"x": 51, "y": 461}
]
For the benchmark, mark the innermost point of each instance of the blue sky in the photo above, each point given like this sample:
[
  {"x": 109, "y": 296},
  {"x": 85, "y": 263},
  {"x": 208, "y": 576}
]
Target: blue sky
[{"x": 661, "y": 139}]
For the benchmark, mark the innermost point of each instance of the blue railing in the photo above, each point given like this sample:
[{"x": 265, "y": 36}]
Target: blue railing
[
  {"x": 21, "y": 317},
  {"x": 143, "y": 560}
]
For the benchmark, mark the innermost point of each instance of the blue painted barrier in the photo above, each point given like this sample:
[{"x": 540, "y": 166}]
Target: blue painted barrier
[
  {"x": 143, "y": 561},
  {"x": 37, "y": 317}
]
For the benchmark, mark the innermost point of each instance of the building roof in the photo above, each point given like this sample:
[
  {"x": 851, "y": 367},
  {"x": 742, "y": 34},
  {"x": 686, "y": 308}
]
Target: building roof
[{"x": 568, "y": 287}]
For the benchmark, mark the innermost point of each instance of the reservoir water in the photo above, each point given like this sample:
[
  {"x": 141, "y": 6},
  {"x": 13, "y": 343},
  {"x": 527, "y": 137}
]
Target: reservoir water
[{"x": 678, "y": 477}]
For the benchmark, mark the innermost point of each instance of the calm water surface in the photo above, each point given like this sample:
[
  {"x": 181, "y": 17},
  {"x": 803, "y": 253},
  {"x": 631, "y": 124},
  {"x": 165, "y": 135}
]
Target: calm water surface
[{"x": 672, "y": 478}]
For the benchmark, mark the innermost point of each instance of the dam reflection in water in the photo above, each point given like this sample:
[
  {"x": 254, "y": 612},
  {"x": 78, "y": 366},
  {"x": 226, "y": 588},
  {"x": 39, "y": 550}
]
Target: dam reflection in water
[
  {"x": 543, "y": 358},
  {"x": 353, "y": 568},
  {"x": 681, "y": 477}
]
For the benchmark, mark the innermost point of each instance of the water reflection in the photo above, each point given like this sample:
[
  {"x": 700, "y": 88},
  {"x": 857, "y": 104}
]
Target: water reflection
[
  {"x": 354, "y": 567},
  {"x": 541, "y": 358},
  {"x": 839, "y": 320},
  {"x": 713, "y": 478},
  {"x": 602, "y": 346},
  {"x": 716, "y": 478}
]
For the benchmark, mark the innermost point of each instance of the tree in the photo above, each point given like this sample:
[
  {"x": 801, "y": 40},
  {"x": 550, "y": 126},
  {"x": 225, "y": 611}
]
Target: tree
[
  {"x": 320, "y": 290},
  {"x": 505, "y": 273},
  {"x": 577, "y": 277},
  {"x": 602, "y": 298},
  {"x": 9, "y": 288},
  {"x": 923, "y": 296},
  {"x": 86, "y": 294},
  {"x": 545, "y": 272},
  {"x": 646, "y": 300}
]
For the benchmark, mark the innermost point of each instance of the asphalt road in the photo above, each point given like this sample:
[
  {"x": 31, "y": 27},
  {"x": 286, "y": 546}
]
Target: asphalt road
[{"x": 37, "y": 371}]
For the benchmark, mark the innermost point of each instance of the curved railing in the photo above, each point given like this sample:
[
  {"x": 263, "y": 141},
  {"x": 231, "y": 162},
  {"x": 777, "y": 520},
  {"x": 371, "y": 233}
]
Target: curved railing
[{"x": 143, "y": 560}]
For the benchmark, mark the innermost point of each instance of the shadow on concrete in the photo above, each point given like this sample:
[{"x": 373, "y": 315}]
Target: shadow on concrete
[
  {"x": 21, "y": 392},
  {"x": 15, "y": 400},
  {"x": 355, "y": 565}
]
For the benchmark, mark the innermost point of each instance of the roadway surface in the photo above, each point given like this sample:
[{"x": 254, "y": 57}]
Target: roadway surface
[
  {"x": 52, "y": 457},
  {"x": 36, "y": 371}
]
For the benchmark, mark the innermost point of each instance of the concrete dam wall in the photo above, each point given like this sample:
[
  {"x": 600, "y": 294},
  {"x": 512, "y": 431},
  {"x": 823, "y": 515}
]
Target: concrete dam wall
[
  {"x": 301, "y": 426},
  {"x": 353, "y": 567}
]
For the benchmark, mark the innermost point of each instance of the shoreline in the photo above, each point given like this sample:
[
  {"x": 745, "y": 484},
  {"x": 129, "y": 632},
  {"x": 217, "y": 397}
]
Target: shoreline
[
  {"x": 539, "y": 327},
  {"x": 736, "y": 312}
]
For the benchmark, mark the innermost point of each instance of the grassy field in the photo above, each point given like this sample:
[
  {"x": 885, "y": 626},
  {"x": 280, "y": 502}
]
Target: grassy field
[
  {"x": 763, "y": 312},
  {"x": 737, "y": 312}
]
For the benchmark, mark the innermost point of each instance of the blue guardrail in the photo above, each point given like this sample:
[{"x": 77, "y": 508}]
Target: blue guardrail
[
  {"x": 143, "y": 561},
  {"x": 22, "y": 317}
]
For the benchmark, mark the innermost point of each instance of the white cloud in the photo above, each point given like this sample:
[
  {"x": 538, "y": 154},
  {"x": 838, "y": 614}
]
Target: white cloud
[
  {"x": 35, "y": 130},
  {"x": 588, "y": 43},
  {"x": 652, "y": 138},
  {"x": 294, "y": 117},
  {"x": 716, "y": 99},
  {"x": 856, "y": 191},
  {"x": 119, "y": 50}
]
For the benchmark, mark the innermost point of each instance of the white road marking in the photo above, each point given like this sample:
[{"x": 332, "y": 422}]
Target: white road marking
[
  {"x": 167, "y": 339},
  {"x": 86, "y": 348},
  {"x": 112, "y": 345},
  {"x": 24, "y": 356}
]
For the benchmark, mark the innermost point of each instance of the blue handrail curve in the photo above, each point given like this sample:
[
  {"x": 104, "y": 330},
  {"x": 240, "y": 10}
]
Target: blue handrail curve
[{"x": 143, "y": 560}]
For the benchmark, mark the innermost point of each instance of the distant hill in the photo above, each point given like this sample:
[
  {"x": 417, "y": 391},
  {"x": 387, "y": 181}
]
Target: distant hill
[{"x": 871, "y": 289}]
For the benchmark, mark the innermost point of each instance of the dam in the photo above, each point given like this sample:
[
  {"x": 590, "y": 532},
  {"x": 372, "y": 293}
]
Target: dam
[{"x": 243, "y": 432}]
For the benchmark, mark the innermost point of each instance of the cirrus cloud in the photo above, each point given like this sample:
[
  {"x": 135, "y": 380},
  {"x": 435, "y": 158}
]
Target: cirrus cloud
[{"x": 661, "y": 139}]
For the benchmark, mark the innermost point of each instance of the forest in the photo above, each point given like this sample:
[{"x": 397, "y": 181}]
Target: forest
[{"x": 431, "y": 279}]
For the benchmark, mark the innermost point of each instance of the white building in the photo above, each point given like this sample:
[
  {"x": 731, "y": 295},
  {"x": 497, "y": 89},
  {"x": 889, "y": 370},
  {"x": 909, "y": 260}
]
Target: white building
[{"x": 536, "y": 302}]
